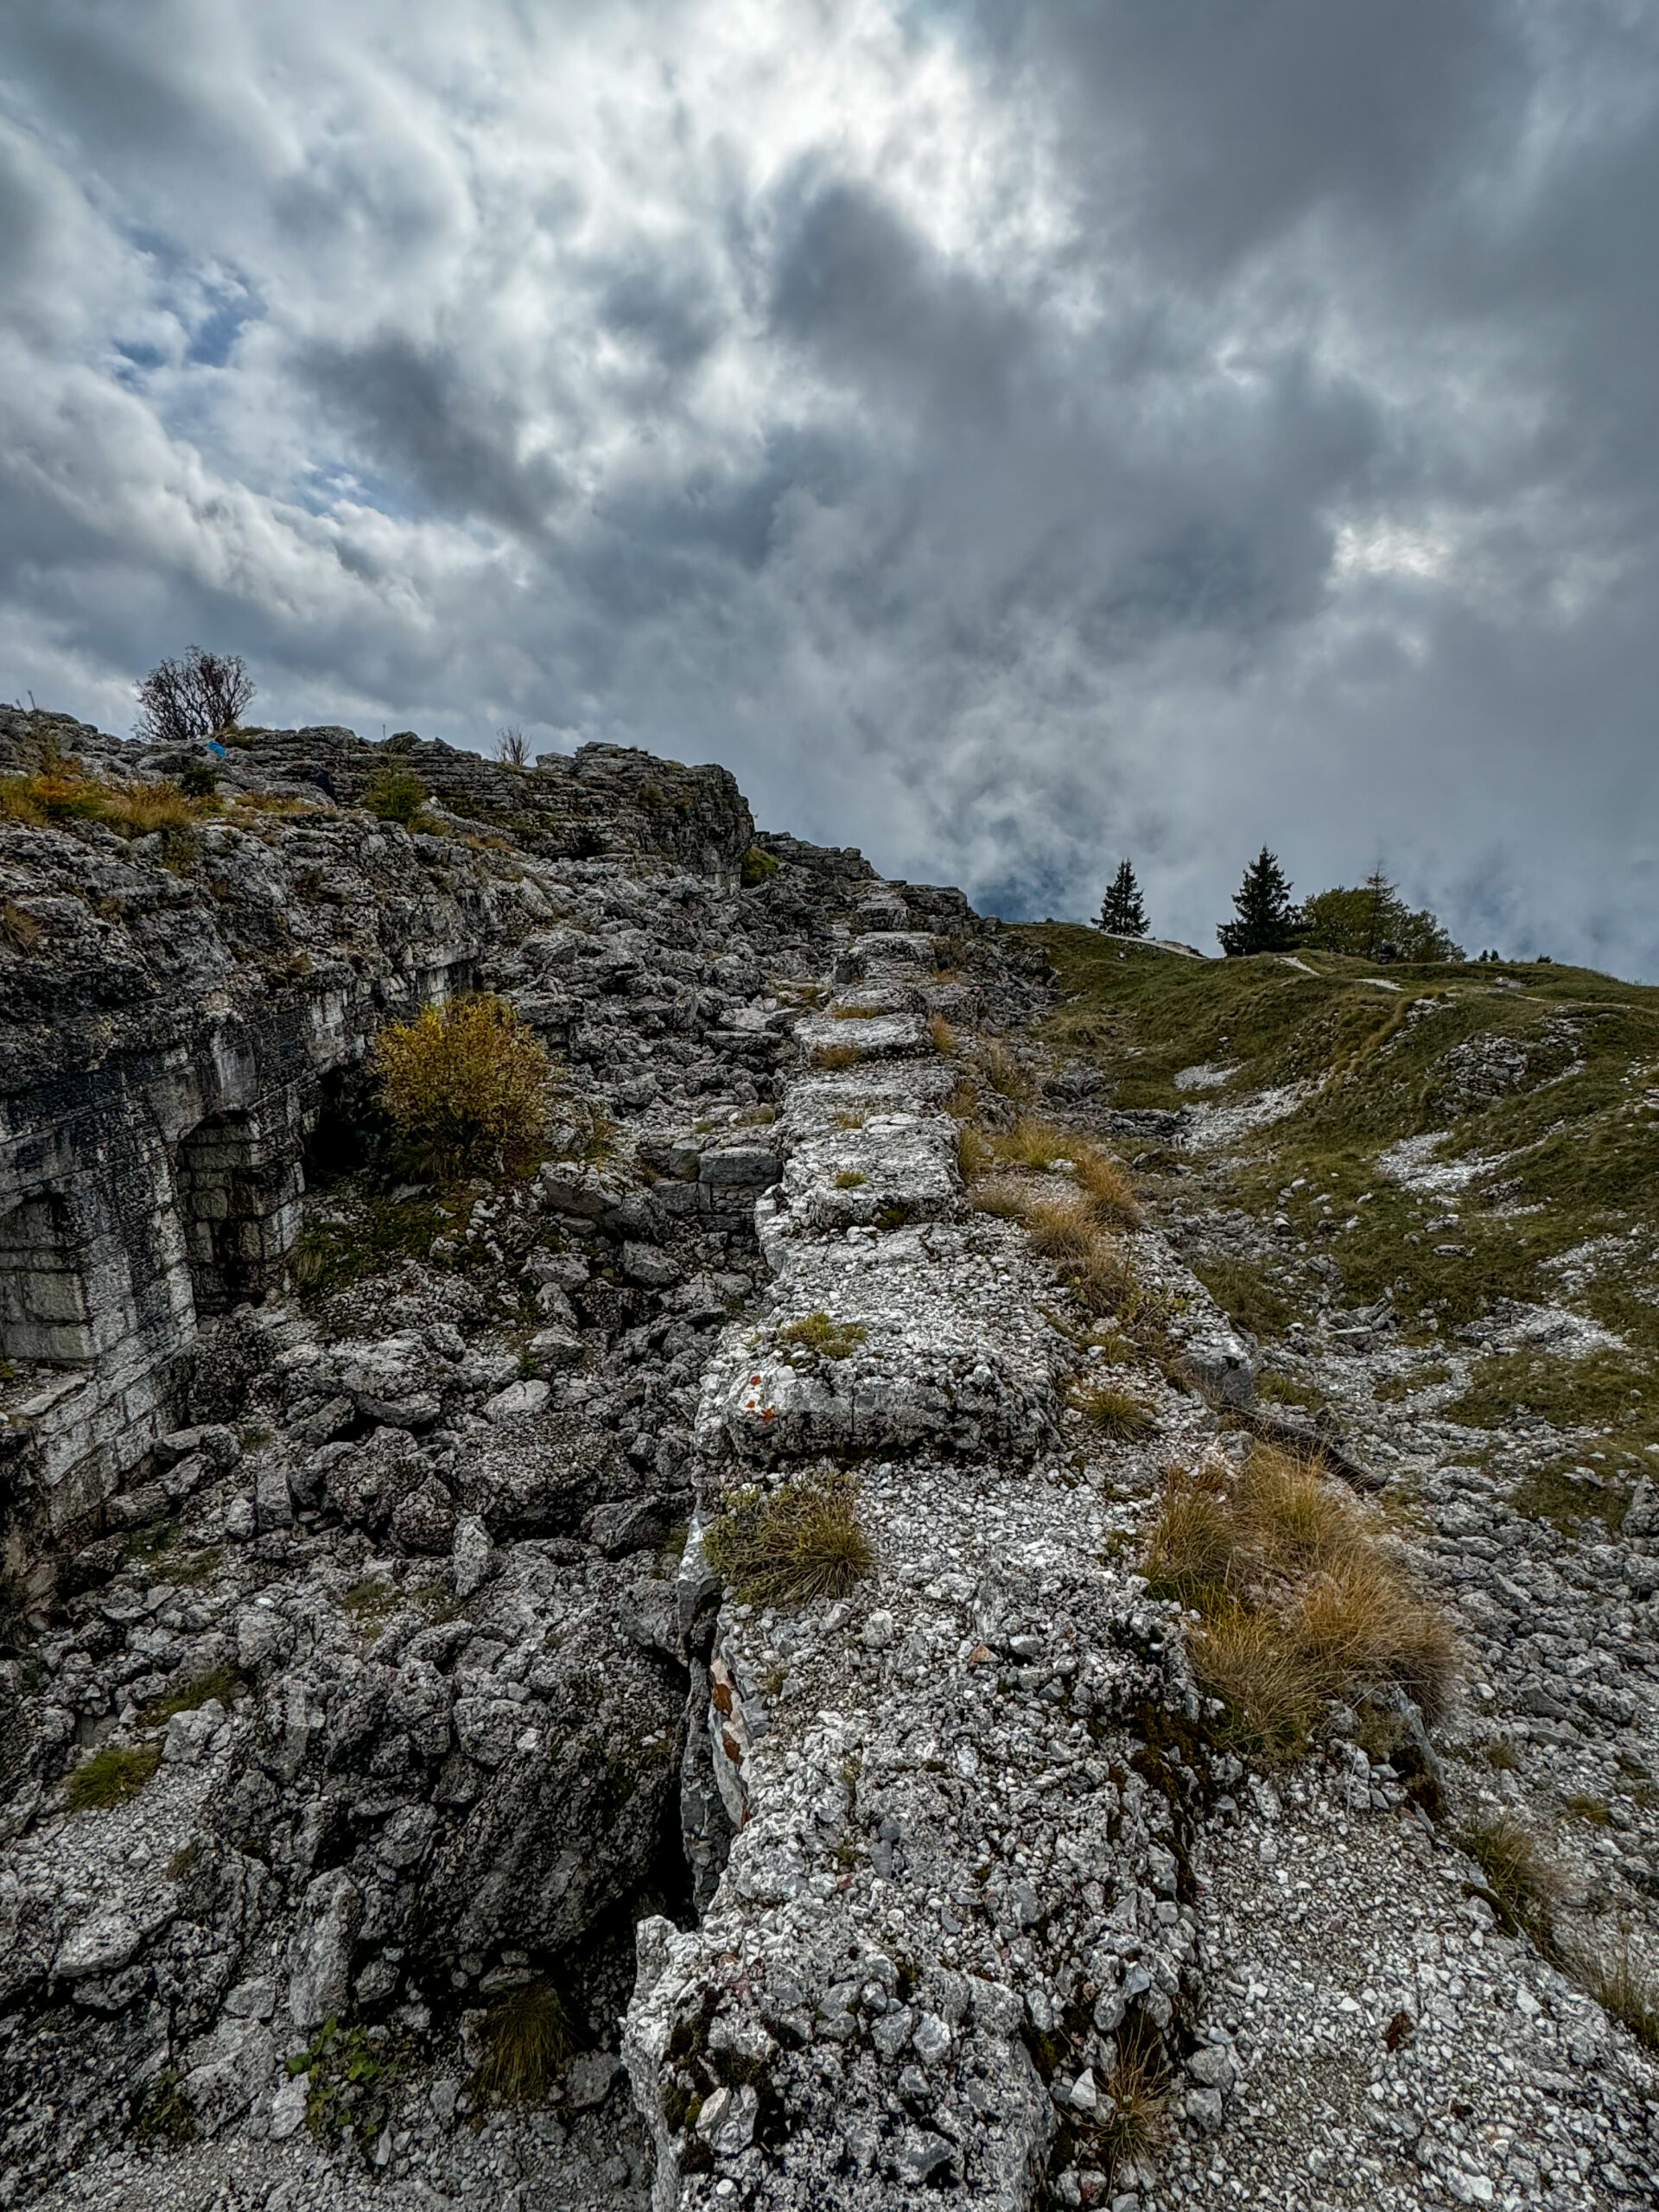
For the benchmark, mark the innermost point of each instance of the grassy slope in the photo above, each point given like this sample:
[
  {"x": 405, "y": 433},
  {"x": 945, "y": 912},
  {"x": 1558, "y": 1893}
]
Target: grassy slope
[{"x": 1580, "y": 1147}]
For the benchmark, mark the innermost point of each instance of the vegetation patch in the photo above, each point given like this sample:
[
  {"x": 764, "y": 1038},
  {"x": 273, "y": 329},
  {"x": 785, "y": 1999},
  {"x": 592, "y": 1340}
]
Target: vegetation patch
[
  {"x": 1522, "y": 1884},
  {"x": 1299, "y": 1600},
  {"x": 352, "y": 2075},
  {"x": 757, "y": 867},
  {"x": 223, "y": 1683},
  {"x": 837, "y": 1056},
  {"x": 1285, "y": 1390},
  {"x": 1114, "y": 1412},
  {"x": 824, "y": 1337},
  {"x": 465, "y": 1086},
  {"x": 396, "y": 794},
  {"x": 332, "y": 1256},
  {"x": 371, "y": 1603},
  {"x": 158, "y": 2115},
  {"x": 527, "y": 2039},
  {"x": 1616, "y": 1979},
  {"x": 1245, "y": 1296},
  {"x": 111, "y": 1776},
  {"x": 801, "y": 1541}
]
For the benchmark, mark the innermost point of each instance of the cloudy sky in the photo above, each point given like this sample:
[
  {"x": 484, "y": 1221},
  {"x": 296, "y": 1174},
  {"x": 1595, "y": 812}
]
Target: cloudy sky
[{"x": 1007, "y": 435}]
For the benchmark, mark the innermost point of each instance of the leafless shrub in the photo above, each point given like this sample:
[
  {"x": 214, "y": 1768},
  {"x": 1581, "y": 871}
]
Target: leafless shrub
[{"x": 183, "y": 702}]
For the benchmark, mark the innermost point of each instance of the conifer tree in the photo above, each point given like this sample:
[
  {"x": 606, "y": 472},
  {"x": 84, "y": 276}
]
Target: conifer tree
[
  {"x": 1122, "y": 914},
  {"x": 1265, "y": 920}
]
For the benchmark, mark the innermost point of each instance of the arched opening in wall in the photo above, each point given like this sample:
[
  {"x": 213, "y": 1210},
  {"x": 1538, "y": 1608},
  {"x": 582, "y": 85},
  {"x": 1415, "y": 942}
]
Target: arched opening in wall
[
  {"x": 45, "y": 1315},
  {"x": 349, "y": 1133},
  {"x": 239, "y": 1191}
]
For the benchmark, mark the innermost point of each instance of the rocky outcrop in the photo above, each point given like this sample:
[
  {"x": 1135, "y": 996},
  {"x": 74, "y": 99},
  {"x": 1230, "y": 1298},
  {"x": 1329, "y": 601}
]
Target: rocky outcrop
[
  {"x": 179, "y": 1009},
  {"x": 369, "y": 1686}
]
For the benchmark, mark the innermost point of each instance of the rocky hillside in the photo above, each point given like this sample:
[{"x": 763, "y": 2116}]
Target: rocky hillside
[{"x": 820, "y": 1641}]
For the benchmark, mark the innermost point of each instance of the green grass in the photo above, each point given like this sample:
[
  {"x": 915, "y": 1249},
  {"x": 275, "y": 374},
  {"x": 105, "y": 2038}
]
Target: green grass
[
  {"x": 371, "y": 1603},
  {"x": 111, "y": 1776},
  {"x": 785, "y": 1546},
  {"x": 333, "y": 1256},
  {"x": 1114, "y": 1413},
  {"x": 1244, "y": 1295},
  {"x": 222, "y": 1682},
  {"x": 826, "y": 1338},
  {"x": 1580, "y": 1160},
  {"x": 1284, "y": 1390}
]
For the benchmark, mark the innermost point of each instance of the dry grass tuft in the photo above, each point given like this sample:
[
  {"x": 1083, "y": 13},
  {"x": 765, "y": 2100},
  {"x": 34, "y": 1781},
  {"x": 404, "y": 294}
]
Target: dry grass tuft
[
  {"x": 1000, "y": 1071},
  {"x": 1524, "y": 1886},
  {"x": 1300, "y": 1600},
  {"x": 527, "y": 2039},
  {"x": 1062, "y": 1229},
  {"x": 1113, "y": 1412},
  {"x": 858, "y": 1013},
  {"x": 1358, "y": 1625},
  {"x": 1617, "y": 1981},
  {"x": 1137, "y": 2087},
  {"x": 1242, "y": 1655},
  {"x": 837, "y": 1056},
  {"x": 1107, "y": 1187},
  {"x": 850, "y": 1179},
  {"x": 465, "y": 1085},
  {"x": 943, "y": 1036},
  {"x": 785, "y": 1546},
  {"x": 974, "y": 1154},
  {"x": 19, "y": 927},
  {"x": 65, "y": 792}
]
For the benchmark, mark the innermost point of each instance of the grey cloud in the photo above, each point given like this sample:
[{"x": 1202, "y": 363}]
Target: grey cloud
[
  {"x": 1205, "y": 424},
  {"x": 413, "y": 414}
]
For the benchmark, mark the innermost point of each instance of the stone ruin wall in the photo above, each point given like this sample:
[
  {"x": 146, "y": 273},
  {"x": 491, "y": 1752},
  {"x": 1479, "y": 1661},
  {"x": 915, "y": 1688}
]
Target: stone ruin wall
[{"x": 154, "y": 1123}]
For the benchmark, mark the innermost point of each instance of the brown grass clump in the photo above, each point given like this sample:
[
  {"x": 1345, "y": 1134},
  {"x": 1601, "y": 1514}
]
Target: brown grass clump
[
  {"x": 857, "y": 1013},
  {"x": 837, "y": 1056},
  {"x": 465, "y": 1085},
  {"x": 943, "y": 1036},
  {"x": 64, "y": 792},
  {"x": 1115, "y": 1412},
  {"x": 19, "y": 927},
  {"x": 1360, "y": 1625},
  {"x": 1300, "y": 1599},
  {"x": 785, "y": 1546},
  {"x": 527, "y": 2039},
  {"x": 1004, "y": 1195},
  {"x": 1001, "y": 1071},
  {"x": 1243, "y": 1657},
  {"x": 974, "y": 1154},
  {"x": 1107, "y": 1187},
  {"x": 1063, "y": 1229}
]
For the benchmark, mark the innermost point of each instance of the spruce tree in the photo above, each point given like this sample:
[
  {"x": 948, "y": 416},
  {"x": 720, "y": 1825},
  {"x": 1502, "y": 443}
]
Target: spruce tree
[
  {"x": 1265, "y": 920},
  {"x": 1122, "y": 914}
]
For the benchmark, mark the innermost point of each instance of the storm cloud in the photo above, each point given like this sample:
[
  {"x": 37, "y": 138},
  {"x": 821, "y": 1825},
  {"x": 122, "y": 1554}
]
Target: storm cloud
[{"x": 1008, "y": 437}]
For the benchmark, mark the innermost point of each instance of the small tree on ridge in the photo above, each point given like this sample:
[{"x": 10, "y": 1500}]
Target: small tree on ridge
[
  {"x": 1265, "y": 920},
  {"x": 1122, "y": 914}
]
